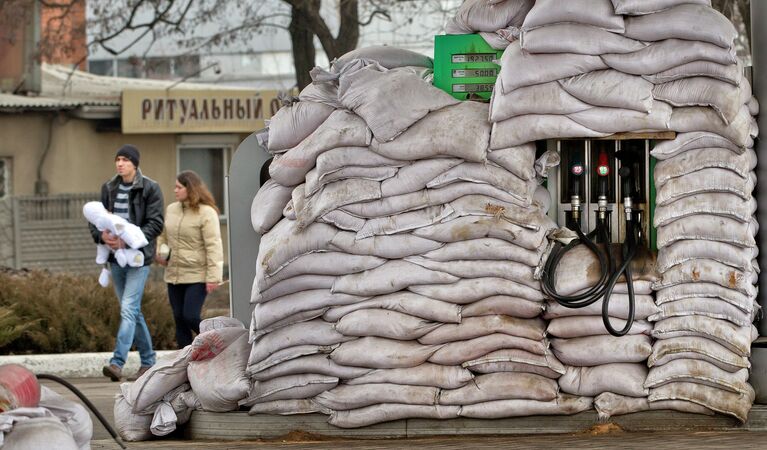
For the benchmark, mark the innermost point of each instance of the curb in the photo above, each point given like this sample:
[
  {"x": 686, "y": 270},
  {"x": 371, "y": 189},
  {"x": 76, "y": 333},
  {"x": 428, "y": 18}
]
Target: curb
[{"x": 75, "y": 365}]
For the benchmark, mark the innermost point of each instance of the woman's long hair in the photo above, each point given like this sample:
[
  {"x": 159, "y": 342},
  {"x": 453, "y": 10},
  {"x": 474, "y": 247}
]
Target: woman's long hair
[{"x": 196, "y": 192}]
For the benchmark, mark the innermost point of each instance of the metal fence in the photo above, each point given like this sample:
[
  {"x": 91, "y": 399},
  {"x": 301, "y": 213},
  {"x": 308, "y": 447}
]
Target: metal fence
[{"x": 50, "y": 232}]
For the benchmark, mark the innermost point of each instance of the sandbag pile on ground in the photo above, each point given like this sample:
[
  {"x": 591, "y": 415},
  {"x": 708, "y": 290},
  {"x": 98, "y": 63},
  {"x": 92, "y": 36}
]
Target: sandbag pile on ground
[
  {"x": 400, "y": 282},
  {"x": 595, "y": 361},
  {"x": 498, "y": 22},
  {"x": 594, "y": 68}
]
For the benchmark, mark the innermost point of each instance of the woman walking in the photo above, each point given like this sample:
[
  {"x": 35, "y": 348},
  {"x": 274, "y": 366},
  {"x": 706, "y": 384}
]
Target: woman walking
[{"x": 195, "y": 260}]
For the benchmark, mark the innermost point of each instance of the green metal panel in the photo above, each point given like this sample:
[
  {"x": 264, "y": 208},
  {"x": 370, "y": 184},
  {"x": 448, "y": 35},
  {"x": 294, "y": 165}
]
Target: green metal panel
[{"x": 463, "y": 65}]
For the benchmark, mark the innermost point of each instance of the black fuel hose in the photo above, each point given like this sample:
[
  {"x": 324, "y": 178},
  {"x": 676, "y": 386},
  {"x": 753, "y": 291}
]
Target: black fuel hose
[
  {"x": 84, "y": 399},
  {"x": 629, "y": 249}
]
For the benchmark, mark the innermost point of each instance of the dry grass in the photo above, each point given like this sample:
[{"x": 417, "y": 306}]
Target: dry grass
[{"x": 62, "y": 313}]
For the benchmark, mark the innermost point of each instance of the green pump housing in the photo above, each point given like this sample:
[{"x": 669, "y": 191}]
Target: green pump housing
[{"x": 464, "y": 67}]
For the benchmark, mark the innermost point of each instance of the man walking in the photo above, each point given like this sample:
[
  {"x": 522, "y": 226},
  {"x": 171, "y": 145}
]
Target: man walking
[{"x": 137, "y": 199}]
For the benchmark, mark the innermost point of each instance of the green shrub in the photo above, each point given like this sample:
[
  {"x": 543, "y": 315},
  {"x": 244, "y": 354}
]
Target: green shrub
[{"x": 62, "y": 313}]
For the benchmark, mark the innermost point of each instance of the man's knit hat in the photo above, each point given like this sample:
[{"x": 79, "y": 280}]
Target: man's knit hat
[{"x": 130, "y": 152}]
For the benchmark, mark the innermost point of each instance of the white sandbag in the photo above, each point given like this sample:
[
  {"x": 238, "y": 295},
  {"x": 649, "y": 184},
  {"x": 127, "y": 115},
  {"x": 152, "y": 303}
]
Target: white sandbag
[
  {"x": 220, "y": 382},
  {"x": 387, "y": 56},
  {"x": 543, "y": 98},
  {"x": 501, "y": 386},
  {"x": 474, "y": 327},
  {"x": 315, "y": 332},
  {"x": 641, "y": 7},
  {"x": 342, "y": 220},
  {"x": 489, "y": 16},
  {"x": 699, "y": 159},
  {"x": 708, "y": 228},
  {"x": 458, "y": 352},
  {"x": 608, "y": 405},
  {"x": 736, "y": 405},
  {"x": 498, "y": 304},
  {"x": 485, "y": 249},
  {"x": 321, "y": 263},
  {"x": 707, "y": 271},
  {"x": 288, "y": 354},
  {"x": 266, "y": 209},
  {"x": 598, "y": 13},
  {"x": 407, "y": 221},
  {"x": 71, "y": 414},
  {"x": 460, "y": 131},
  {"x": 414, "y": 176},
  {"x": 387, "y": 412},
  {"x": 326, "y": 93},
  {"x": 291, "y": 286},
  {"x": 730, "y": 73},
  {"x": 617, "y": 120},
  {"x": 426, "y": 374},
  {"x": 701, "y": 91},
  {"x": 303, "y": 316},
  {"x": 563, "y": 405},
  {"x": 286, "y": 407},
  {"x": 268, "y": 313},
  {"x": 576, "y": 39},
  {"x": 175, "y": 409},
  {"x": 488, "y": 203},
  {"x": 316, "y": 364},
  {"x": 509, "y": 270},
  {"x": 485, "y": 174},
  {"x": 515, "y": 360},
  {"x": 338, "y": 158},
  {"x": 165, "y": 375},
  {"x": 691, "y": 22},
  {"x": 346, "y": 397},
  {"x": 292, "y": 124},
  {"x": 130, "y": 426},
  {"x": 285, "y": 243},
  {"x": 535, "y": 127},
  {"x": 698, "y": 118},
  {"x": 696, "y": 348},
  {"x": 380, "y": 353},
  {"x": 618, "y": 378},
  {"x": 314, "y": 183},
  {"x": 519, "y": 160},
  {"x": 753, "y": 106},
  {"x": 471, "y": 290},
  {"x": 290, "y": 387},
  {"x": 383, "y": 323},
  {"x": 735, "y": 338},
  {"x": 219, "y": 322},
  {"x": 708, "y": 307},
  {"x": 336, "y": 195},
  {"x": 473, "y": 227},
  {"x": 685, "y": 142},
  {"x": 541, "y": 68},
  {"x": 682, "y": 251},
  {"x": 341, "y": 129},
  {"x": 697, "y": 290},
  {"x": 404, "y": 302},
  {"x": 611, "y": 88},
  {"x": 644, "y": 307},
  {"x": 500, "y": 39},
  {"x": 579, "y": 326},
  {"x": 390, "y": 247},
  {"x": 698, "y": 371},
  {"x": 666, "y": 54},
  {"x": 595, "y": 350},
  {"x": 391, "y": 277},
  {"x": 368, "y": 92}
]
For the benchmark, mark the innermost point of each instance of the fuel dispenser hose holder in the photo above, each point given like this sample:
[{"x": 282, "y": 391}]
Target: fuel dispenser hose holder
[{"x": 610, "y": 275}]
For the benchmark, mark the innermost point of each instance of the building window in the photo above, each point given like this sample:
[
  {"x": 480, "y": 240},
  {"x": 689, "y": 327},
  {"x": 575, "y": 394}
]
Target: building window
[
  {"x": 158, "y": 68},
  {"x": 132, "y": 67},
  {"x": 5, "y": 177},
  {"x": 210, "y": 162},
  {"x": 103, "y": 67},
  {"x": 186, "y": 65}
]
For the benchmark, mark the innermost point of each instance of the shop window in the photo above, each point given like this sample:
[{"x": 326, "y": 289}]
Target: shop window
[
  {"x": 158, "y": 68},
  {"x": 186, "y": 66},
  {"x": 103, "y": 67},
  {"x": 130, "y": 67},
  {"x": 5, "y": 178},
  {"x": 210, "y": 163}
]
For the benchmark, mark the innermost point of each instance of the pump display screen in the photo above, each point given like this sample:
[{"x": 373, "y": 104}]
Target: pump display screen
[
  {"x": 474, "y": 58},
  {"x": 483, "y": 87},
  {"x": 475, "y": 73}
]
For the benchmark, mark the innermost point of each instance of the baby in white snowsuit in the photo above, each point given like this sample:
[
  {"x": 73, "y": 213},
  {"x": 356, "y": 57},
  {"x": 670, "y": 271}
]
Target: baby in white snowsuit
[{"x": 131, "y": 234}]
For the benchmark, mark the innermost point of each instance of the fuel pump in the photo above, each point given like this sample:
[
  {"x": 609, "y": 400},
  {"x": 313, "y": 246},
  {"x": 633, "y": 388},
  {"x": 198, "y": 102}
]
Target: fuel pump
[{"x": 599, "y": 239}]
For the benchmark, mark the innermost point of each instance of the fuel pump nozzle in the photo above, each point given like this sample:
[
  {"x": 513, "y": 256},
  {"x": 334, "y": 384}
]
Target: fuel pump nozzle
[
  {"x": 603, "y": 172},
  {"x": 576, "y": 171}
]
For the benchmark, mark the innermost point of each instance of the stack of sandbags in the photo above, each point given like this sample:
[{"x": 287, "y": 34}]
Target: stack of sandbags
[
  {"x": 498, "y": 22},
  {"x": 597, "y": 362},
  {"x": 404, "y": 265}
]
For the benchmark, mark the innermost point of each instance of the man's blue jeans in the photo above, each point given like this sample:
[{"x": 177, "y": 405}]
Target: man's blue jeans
[{"x": 129, "y": 285}]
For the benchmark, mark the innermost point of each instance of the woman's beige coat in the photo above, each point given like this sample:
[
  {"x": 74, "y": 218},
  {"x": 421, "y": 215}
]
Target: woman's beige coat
[{"x": 194, "y": 238}]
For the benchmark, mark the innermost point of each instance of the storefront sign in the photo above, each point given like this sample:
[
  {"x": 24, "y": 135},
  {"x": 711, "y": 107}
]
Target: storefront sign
[{"x": 196, "y": 111}]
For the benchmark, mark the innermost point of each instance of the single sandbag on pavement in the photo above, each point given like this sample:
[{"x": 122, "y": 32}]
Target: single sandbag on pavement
[
  {"x": 501, "y": 386},
  {"x": 619, "y": 378},
  {"x": 562, "y": 405}
]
